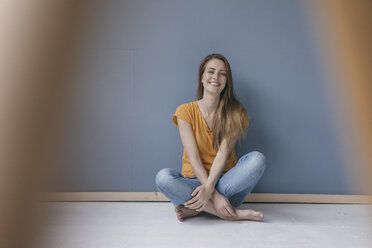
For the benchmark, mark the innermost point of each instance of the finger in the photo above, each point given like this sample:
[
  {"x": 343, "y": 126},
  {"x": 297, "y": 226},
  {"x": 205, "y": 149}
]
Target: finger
[
  {"x": 199, "y": 204},
  {"x": 231, "y": 210},
  {"x": 195, "y": 205},
  {"x": 228, "y": 213},
  {"x": 198, "y": 208},
  {"x": 201, "y": 208},
  {"x": 221, "y": 211},
  {"x": 225, "y": 212},
  {"x": 191, "y": 201},
  {"x": 195, "y": 191}
]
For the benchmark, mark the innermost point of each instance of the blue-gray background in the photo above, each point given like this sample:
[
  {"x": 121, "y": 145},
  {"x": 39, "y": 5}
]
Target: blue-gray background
[{"x": 138, "y": 60}]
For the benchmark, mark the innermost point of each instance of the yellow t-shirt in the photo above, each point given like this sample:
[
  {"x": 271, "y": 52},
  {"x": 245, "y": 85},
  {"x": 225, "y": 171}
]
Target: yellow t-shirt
[{"x": 190, "y": 113}]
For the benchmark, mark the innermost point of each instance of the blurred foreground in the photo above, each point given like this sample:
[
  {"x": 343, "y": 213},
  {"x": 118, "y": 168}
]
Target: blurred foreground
[{"x": 37, "y": 48}]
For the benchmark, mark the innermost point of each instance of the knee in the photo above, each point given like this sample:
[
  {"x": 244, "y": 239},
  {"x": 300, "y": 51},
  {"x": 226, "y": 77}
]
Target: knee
[
  {"x": 163, "y": 177},
  {"x": 259, "y": 157},
  {"x": 259, "y": 161},
  {"x": 255, "y": 160}
]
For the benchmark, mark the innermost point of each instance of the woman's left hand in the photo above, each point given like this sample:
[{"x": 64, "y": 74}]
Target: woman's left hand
[{"x": 201, "y": 196}]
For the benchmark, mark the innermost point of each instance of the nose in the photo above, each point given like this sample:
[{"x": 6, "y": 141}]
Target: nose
[{"x": 215, "y": 75}]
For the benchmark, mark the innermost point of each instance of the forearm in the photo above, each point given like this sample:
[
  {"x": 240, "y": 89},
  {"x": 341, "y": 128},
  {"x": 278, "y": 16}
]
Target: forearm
[
  {"x": 219, "y": 162},
  {"x": 199, "y": 170},
  {"x": 201, "y": 173},
  {"x": 217, "y": 168}
]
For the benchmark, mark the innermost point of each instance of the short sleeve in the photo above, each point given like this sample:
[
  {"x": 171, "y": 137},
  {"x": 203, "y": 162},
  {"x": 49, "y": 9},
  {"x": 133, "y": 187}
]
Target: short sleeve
[{"x": 182, "y": 112}]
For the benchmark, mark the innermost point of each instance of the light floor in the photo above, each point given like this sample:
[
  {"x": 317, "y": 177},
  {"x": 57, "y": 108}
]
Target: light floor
[{"x": 149, "y": 224}]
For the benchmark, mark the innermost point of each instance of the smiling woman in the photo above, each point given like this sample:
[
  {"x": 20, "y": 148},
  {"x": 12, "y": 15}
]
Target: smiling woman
[{"x": 211, "y": 179}]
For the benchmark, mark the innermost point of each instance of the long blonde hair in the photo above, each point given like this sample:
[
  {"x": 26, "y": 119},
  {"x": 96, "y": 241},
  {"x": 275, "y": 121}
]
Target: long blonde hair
[{"x": 230, "y": 118}]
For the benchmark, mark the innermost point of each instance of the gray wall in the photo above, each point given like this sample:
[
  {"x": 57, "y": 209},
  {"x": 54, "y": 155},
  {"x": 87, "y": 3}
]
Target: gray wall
[{"x": 138, "y": 61}]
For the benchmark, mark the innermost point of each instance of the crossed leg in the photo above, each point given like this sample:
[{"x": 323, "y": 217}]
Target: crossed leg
[
  {"x": 241, "y": 214},
  {"x": 235, "y": 185}
]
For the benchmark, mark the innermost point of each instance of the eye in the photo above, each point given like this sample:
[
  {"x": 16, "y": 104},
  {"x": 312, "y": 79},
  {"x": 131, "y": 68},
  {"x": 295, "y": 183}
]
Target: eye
[
  {"x": 223, "y": 74},
  {"x": 210, "y": 72}
]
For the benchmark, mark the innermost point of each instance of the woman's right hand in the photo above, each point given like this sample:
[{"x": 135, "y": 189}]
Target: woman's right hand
[{"x": 222, "y": 205}]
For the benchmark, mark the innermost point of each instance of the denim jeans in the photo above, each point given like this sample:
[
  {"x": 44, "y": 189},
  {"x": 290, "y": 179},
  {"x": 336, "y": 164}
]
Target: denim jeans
[{"x": 235, "y": 184}]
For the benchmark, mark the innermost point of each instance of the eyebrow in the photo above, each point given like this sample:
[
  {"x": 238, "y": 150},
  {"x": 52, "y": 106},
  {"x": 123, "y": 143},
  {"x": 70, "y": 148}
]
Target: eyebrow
[{"x": 209, "y": 68}]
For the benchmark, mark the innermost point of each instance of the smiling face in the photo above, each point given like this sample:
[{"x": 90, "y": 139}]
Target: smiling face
[{"x": 214, "y": 76}]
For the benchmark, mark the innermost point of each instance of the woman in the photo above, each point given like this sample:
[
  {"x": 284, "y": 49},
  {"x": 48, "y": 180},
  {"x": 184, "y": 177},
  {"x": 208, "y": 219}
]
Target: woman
[{"x": 212, "y": 180}]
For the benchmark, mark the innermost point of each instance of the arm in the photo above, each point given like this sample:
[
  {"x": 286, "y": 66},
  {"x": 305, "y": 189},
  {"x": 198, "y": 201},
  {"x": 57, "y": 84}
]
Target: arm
[
  {"x": 221, "y": 204},
  {"x": 219, "y": 162},
  {"x": 192, "y": 152},
  {"x": 201, "y": 195},
  {"x": 207, "y": 191}
]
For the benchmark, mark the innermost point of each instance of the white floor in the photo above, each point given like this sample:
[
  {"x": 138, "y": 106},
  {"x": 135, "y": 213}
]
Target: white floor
[{"x": 149, "y": 224}]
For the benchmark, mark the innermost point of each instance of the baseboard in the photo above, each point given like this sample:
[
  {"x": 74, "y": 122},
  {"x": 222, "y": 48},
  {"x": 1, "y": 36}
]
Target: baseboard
[{"x": 159, "y": 197}]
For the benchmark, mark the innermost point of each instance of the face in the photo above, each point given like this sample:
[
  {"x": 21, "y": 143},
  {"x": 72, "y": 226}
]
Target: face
[{"x": 214, "y": 76}]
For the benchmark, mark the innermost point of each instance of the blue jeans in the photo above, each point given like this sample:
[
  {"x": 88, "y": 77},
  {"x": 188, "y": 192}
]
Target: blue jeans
[{"x": 235, "y": 184}]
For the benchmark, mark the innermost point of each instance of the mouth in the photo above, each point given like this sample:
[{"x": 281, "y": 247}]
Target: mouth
[{"x": 214, "y": 84}]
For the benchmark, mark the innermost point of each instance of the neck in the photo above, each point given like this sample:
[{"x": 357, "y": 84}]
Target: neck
[{"x": 210, "y": 103}]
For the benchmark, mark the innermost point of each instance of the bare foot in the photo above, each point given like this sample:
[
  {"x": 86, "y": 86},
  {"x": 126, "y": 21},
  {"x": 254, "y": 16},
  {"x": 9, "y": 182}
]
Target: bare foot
[
  {"x": 245, "y": 214},
  {"x": 248, "y": 214},
  {"x": 184, "y": 213}
]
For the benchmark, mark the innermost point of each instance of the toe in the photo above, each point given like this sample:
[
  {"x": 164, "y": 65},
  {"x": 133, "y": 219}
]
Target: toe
[
  {"x": 180, "y": 217},
  {"x": 259, "y": 216}
]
